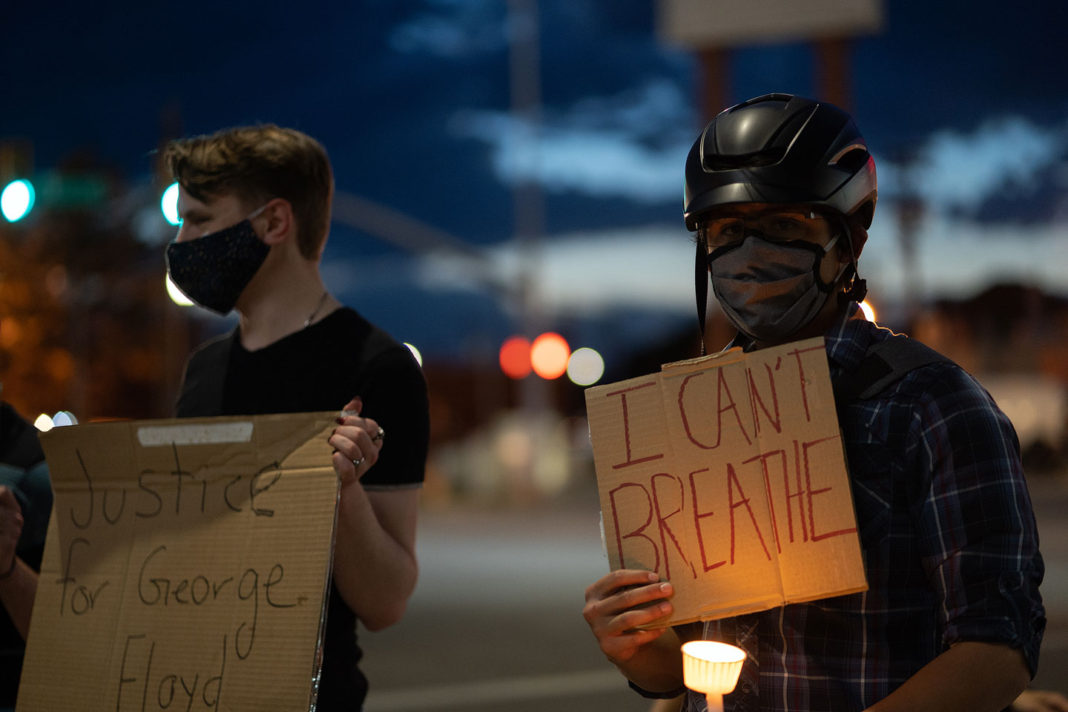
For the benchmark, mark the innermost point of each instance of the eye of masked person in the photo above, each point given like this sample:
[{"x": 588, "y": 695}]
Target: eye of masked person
[{"x": 775, "y": 225}]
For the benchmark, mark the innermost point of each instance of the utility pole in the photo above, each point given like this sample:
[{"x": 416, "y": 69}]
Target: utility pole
[{"x": 529, "y": 204}]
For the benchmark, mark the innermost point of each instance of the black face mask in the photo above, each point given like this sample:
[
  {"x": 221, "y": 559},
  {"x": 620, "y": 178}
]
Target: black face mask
[{"x": 214, "y": 269}]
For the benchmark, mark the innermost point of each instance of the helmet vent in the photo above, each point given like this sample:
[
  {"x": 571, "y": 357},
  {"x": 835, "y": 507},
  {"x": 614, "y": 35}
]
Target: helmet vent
[
  {"x": 758, "y": 159},
  {"x": 852, "y": 159}
]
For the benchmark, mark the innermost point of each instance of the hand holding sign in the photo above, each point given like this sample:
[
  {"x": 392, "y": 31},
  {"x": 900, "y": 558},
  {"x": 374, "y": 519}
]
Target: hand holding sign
[
  {"x": 356, "y": 442},
  {"x": 624, "y": 608}
]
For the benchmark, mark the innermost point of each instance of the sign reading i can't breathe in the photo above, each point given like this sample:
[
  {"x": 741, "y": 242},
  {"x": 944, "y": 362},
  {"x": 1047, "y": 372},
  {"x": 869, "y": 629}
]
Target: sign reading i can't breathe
[
  {"x": 726, "y": 476},
  {"x": 186, "y": 566}
]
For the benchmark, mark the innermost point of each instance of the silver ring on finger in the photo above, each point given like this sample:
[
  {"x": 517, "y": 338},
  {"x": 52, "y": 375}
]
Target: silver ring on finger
[
  {"x": 357, "y": 462},
  {"x": 379, "y": 435}
]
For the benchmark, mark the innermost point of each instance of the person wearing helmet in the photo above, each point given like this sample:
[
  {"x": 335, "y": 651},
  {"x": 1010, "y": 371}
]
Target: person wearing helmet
[
  {"x": 780, "y": 192},
  {"x": 255, "y": 208}
]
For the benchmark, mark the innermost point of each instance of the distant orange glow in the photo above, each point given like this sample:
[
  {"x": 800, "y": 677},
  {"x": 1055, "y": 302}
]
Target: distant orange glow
[
  {"x": 514, "y": 357},
  {"x": 869, "y": 310},
  {"x": 549, "y": 355}
]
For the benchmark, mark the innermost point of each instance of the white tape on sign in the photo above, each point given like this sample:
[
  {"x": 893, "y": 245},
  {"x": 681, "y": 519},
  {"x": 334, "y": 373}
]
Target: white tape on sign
[{"x": 153, "y": 435}]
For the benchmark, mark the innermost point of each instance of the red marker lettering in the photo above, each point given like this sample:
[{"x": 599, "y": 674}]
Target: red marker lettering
[
  {"x": 662, "y": 525},
  {"x": 636, "y": 532},
  {"x": 732, "y": 482},
  {"x": 631, "y": 460},
  {"x": 698, "y": 515},
  {"x": 812, "y": 493}
]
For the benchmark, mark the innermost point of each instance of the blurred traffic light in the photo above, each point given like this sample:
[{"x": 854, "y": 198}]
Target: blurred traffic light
[
  {"x": 548, "y": 355},
  {"x": 17, "y": 199},
  {"x": 17, "y": 192},
  {"x": 514, "y": 357},
  {"x": 168, "y": 204}
]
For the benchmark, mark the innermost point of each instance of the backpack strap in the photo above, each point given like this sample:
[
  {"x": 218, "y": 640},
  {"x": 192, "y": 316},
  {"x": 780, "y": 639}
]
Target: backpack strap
[{"x": 885, "y": 363}]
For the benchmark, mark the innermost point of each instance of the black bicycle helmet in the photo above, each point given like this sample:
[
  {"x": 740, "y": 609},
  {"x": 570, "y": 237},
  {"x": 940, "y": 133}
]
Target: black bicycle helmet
[{"x": 779, "y": 148}]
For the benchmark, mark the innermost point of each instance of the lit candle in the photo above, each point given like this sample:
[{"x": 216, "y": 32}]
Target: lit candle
[{"x": 711, "y": 668}]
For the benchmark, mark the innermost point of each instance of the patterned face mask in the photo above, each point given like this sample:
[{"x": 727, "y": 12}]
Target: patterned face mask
[
  {"x": 769, "y": 290},
  {"x": 214, "y": 269}
]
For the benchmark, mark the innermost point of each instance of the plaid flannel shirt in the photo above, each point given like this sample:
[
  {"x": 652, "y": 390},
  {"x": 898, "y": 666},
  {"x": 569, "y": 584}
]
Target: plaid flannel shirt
[{"x": 949, "y": 544}]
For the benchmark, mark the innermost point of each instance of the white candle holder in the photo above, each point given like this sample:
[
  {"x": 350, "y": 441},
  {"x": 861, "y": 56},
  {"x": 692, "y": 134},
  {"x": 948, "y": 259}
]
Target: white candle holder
[{"x": 711, "y": 668}]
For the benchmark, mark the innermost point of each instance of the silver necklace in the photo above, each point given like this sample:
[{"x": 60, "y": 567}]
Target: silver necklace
[{"x": 322, "y": 300}]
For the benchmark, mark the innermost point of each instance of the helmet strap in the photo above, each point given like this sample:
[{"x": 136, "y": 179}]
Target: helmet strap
[
  {"x": 856, "y": 288},
  {"x": 701, "y": 287}
]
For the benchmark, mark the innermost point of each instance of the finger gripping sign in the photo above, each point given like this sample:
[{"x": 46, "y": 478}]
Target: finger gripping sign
[
  {"x": 187, "y": 566},
  {"x": 726, "y": 475}
]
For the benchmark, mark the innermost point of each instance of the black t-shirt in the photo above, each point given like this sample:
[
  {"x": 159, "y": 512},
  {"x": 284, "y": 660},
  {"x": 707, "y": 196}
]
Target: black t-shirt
[
  {"x": 23, "y": 470},
  {"x": 321, "y": 368}
]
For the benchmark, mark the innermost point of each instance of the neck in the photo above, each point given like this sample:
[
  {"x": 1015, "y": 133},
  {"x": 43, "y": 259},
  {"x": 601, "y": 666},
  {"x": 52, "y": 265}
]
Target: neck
[{"x": 278, "y": 305}]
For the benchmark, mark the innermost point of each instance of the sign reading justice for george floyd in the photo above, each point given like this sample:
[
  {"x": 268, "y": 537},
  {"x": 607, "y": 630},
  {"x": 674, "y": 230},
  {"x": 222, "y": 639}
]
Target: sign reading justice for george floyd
[{"x": 186, "y": 568}]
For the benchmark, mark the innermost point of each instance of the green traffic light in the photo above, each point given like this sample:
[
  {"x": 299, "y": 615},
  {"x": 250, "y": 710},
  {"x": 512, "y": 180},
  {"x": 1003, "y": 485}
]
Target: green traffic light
[
  {"x": 17, "y": 200},
  {"x": 168, "y": 205}
]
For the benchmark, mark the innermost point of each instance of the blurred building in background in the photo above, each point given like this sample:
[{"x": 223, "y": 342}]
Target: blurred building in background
[{"x": 1014, "y": 339}]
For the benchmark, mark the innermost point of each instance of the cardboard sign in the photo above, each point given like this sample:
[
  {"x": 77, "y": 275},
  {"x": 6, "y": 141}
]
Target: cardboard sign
[
  {"x": 186, "y": 566},
  {"x": 726, "y": 476}
]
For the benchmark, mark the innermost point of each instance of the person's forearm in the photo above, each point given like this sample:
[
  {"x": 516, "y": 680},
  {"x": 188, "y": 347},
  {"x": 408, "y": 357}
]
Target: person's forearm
[
  {"x": 374, "y": 572},
  {"x": 969, "y": 677},
  {"x": 17, "y": 592}
]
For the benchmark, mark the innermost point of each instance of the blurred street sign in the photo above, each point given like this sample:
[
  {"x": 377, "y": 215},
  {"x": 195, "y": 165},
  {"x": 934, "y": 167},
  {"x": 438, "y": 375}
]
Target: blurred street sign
[
  {"x": 63, "y": 191},
  {"x": 726, "y": 23}
]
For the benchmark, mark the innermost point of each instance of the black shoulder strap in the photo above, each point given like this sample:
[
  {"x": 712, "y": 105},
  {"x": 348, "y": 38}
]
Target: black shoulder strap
[
  {"x": 884, "y": 364},
  {"x": 205, "y": 373}
]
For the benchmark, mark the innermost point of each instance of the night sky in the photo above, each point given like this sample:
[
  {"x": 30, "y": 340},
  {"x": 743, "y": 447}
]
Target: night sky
[{"x": 412, "y": 101}]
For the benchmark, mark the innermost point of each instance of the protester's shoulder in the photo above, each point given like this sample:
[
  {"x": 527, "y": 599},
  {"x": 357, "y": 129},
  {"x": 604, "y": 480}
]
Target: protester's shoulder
[
  {"x": 372, "y": 345},
  {"x": 938, "y": 384}
]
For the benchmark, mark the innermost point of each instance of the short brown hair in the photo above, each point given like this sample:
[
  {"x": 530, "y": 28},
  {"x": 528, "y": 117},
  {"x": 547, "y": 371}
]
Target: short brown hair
[{"x": 256, "y": 164}]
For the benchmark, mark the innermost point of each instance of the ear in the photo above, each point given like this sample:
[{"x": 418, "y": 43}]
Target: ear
[{"x": 278, "y": 221}]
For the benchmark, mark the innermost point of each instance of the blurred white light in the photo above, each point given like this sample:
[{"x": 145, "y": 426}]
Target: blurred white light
[
  {"x": 176, "y": 294},
  {"x": 17, "y": 200},
  {"x": 415, "y": 352},
  {"x": 43, "y": 423},
  {"x": 585, "y": 367},
  {"x": 64, "y": 418},
  {"x": 169, "y": 204}
]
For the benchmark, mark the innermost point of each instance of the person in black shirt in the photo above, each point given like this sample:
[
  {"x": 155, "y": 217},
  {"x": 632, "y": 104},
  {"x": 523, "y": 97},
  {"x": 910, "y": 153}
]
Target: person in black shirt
[
  {"x": 25, "y": 504},
  {"x": 255, "y": 207}
]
